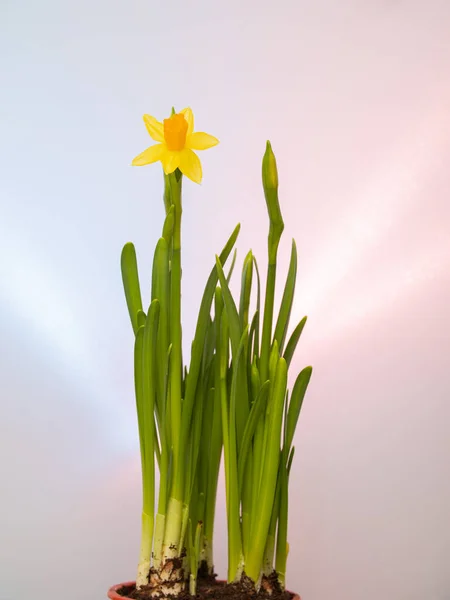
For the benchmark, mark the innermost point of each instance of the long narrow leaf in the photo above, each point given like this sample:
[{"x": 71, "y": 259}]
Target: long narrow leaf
[
  {"x": 235, "y": 338},
  {"x": 256, "y": 412},
  {"x": 281, "y": 551},
  {"x": 160, "y": 291},
  {"x": 253, "y": 343},
  {"x": 258, "y": 310},
  {"x": 233, "y": 263},
  {"x": 261, "y": 523},
  {"x": 233, "y": 315},
  {"x": 246, "y": 288},
  {"x": 131, "y": 286},
  {"x": 199, "y": 337},
  {"x": 295, "y": 405},
  {"x": 286, "y": 302},
  {"x": 290, "y": 459},
  {"x": 138, "y": 386},
  {"x": 293, "y": 341},
  {"x": 148, "y": 399},
  {"x": 215, "y": 448},
  {"x": 235, "y": 529}
]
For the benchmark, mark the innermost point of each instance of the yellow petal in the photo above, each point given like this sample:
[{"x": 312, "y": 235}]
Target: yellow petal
[
  {"x": 150, "y": 155},
  {"x": 189, "y": 116},
  {"x": 155, "y": 128},
  {"x": 190, "y": 165},
  {"x": 201, "y": 141},
  {"x": 170, "y": 161}
]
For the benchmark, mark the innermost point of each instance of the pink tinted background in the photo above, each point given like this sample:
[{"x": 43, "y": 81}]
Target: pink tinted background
[{"x": 355, "y": 98}]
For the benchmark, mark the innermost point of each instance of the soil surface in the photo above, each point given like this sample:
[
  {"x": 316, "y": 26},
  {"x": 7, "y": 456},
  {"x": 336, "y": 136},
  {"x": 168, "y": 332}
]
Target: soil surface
[{"x": 209, "y": 588}]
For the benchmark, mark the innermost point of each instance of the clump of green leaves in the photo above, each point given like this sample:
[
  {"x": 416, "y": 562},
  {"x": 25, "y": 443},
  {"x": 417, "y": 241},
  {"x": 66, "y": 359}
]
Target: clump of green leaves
[
  {"x": 174, "y": 408},
  {"x": 259, "y": 418},
  {"x": 232, "y": 395}
]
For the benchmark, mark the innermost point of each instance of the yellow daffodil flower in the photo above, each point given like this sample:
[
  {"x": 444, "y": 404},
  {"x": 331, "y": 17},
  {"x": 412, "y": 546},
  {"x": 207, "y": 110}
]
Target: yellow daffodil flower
[{"x": 177, "y": 141}]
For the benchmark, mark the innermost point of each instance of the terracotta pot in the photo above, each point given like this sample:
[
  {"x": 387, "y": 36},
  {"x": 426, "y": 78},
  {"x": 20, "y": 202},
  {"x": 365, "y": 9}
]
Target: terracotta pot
[
  {"x": 112, "y": 592},
  {"x": 113, "y": 595}
]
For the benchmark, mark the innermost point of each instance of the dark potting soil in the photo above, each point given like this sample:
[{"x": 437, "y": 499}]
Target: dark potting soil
[{"x": 209, "y": 588}]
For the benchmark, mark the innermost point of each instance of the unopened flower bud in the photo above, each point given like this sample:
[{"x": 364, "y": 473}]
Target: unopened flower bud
[
  {"x": 269, "y": 169},
  {"x": 270, "y": 185}
]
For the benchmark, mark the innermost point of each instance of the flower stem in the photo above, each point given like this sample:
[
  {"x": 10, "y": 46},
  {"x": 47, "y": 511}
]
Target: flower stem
[{"x": 175, "y": 335}]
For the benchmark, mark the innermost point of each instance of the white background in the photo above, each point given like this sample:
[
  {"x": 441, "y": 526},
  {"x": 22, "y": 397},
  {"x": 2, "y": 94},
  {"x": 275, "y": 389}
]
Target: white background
[{"x": 355, "y": 97}]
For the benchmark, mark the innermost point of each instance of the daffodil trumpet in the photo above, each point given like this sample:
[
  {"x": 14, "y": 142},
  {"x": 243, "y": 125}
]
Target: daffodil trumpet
[{"x": 231, "y": 398}]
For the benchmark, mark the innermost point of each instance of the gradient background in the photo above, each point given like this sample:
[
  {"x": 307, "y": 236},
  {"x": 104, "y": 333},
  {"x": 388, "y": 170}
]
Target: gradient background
[{"x": 355, "y": 97}]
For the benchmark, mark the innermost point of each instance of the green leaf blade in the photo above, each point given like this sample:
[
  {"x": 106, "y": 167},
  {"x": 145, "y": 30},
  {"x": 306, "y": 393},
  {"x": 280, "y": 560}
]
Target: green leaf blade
[{"x": 130, "y": 279}]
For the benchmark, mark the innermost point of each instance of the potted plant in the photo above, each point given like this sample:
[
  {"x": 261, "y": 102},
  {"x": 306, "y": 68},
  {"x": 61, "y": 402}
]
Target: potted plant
[{"x": 232, "y": 396}]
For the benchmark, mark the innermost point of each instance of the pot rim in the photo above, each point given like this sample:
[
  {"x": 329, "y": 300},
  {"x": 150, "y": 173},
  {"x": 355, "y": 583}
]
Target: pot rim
[
  {"x": 112, "y": 592},
  {"x": 113, "y": 595}
]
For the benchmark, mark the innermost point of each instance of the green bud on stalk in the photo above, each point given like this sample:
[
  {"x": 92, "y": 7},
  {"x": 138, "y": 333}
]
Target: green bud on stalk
[
  {"x": 270, "y": 185},
  {"x": 270, "y": 171}
]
